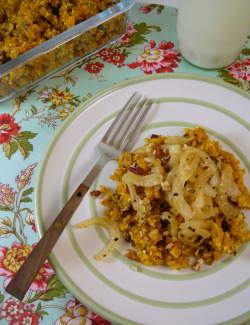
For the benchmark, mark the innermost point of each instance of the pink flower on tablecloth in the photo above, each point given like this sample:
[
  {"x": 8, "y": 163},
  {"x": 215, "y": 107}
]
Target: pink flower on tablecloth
[
  {"x": 157, "y": 59},
  {"x": 112, "y": 56},
  {"x": 11, "y": 309},
  {"x": 7, "y": 194},
  {"x": 152, "y": 6},
  {"x": 16, "y": 313},
  {"x": 146, "y": 9},
  {"x": 77, "y": 313},
  {"x": 94, "y": 67},
  {"x": 98, "y": 320},
  {"x": 240, "y": 70},
  {"x": 130, "y": 31},
  {"x": 104, "y": 53},
  {"x": 11, "y": 260},
  {"x": 27, "y": 318},
  {"x": 24, "y": 178},
  {"x": 8, "y": 127},
  {"x": 117, "y": 59}
]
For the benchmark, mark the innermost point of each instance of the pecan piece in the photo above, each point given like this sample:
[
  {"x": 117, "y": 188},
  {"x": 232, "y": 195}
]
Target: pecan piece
[
  {"x": 95, "y": 193},
  {"x": 158, "y": 151},
  {"x": 136, "y": 170}
]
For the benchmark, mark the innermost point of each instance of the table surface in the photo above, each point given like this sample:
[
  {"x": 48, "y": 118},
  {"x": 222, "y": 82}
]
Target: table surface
[
  {"x": 35, "y": 117},
  {"x": 171, "y": 3}
]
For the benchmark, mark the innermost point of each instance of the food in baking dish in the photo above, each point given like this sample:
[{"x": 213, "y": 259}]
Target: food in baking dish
[{"x": 39, "y": 38}]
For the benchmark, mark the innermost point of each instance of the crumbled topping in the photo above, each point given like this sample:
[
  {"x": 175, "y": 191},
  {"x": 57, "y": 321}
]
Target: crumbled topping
[
  {"x": 165, "y": 186},
  {"x": 197, "y": 266},
  {"x": 183, "y": 146},
  {"x": 134, "y": 268},
  {"x": 169, "y": 245},
  {"x": 149, "y": 147},
  {"x": 103, "y": 188}
]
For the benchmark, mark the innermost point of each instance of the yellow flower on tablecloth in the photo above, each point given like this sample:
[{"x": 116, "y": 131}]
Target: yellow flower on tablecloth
[
  {"x": 61, "y": 97},
  {"x": 161, "y": 58},
  {"x": 11, "y": 260},
  {"x": 75, "y": 314},
  {"x": 61, "y": 104},
  {"x": 65, "y": 112}
]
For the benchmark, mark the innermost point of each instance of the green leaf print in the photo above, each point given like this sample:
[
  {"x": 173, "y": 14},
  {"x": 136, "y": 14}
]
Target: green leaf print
[
  {"x": 4, "y": 208},
  {"x": 28, "y": 191},
  {"x": 9, "y": 148},
  {"x": 138, "y": 37},
  {"x": 245, "y": 51},
  {"x": 55, "y": 289},
  {"x": 23, "y": 144},
  {"x": 229, "y": 78}
]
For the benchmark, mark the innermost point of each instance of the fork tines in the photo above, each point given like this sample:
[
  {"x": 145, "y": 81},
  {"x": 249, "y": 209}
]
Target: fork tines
[{"x": 128, "y": 123}]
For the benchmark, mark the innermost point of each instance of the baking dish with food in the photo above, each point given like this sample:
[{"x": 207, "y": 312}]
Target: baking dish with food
[{"x": 58, "y": 53}]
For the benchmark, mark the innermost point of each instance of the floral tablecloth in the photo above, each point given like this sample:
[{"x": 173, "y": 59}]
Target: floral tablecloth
[{"x": 27, "y": 125}]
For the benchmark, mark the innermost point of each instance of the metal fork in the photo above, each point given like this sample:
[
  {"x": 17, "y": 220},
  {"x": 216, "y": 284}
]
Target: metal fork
[{"x": 119, "y": 138}]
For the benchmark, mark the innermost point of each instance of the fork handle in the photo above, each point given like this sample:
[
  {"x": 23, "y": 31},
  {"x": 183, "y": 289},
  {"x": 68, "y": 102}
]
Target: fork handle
[{"x": 22, "y": 280}]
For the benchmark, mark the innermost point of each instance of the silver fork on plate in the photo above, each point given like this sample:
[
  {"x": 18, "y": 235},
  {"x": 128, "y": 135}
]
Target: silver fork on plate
[{"x": 118, "y": 139}]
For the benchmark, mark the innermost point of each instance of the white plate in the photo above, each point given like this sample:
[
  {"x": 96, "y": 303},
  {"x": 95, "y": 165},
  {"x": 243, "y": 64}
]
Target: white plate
[{"x": 153, "y": 295}]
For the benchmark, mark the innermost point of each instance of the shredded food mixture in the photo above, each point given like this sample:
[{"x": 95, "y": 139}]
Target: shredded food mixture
[
  {"x": 28, "y": 23},
  {"x": 24, "y": 24},
  {"x": 179, "y": 201}
]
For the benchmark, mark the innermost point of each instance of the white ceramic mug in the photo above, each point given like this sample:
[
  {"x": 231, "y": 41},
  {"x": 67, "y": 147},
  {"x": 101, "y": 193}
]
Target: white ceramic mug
[{"x": 212, "y": 33}]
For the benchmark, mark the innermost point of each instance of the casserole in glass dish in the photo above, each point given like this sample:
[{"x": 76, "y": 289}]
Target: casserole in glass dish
[{"x": 28, "y": 69}]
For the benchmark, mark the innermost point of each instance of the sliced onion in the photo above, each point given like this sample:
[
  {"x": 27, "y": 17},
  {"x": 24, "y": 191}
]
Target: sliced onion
[
  {"x": 175, "y": 153},
  {"x": 189, "y": 162},
  {"x": 209, "y": 190},
  {"x": 112, "y": 228},
  {"x": 175, "y": 140},
  {"x": 142, "y": 180},
  {"x": 228, "y": 184},
  {"x": 157, "y": 167},
  {"x": 228, "y": 209}
]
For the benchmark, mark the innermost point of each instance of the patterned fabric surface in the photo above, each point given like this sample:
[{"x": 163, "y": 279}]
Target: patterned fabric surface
[{"x": 27, "y": 125}]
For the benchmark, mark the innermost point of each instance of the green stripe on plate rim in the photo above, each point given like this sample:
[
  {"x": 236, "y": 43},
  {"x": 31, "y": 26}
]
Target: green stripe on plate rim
[
  {"x": 40, "y": 225},
  {"x": 123, "y": 259}
]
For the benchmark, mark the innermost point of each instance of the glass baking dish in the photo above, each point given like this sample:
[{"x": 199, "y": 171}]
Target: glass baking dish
[{"x": 58, "y": 53}]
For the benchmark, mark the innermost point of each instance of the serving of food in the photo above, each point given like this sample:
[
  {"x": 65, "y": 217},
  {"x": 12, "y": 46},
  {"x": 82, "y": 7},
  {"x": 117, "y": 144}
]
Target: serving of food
[
  {"x": 26, "y": 24},
  {"x": 179, "y": 202}
]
